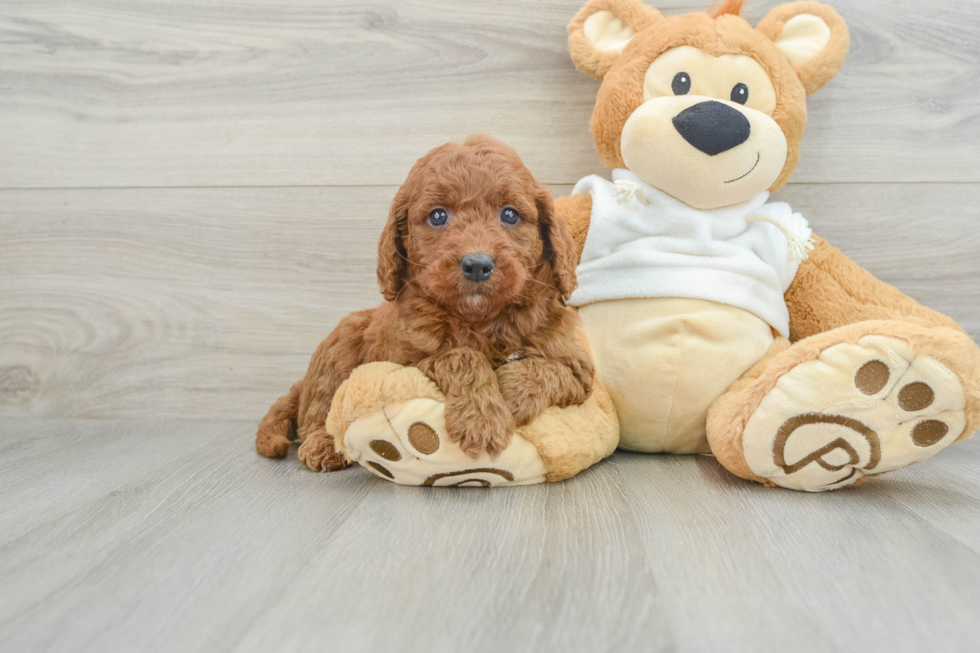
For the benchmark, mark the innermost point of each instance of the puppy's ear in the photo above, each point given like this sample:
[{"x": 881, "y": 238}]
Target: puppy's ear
[
  {"x": 559, "y": 247},
  {"x": 392, "y": 256}
]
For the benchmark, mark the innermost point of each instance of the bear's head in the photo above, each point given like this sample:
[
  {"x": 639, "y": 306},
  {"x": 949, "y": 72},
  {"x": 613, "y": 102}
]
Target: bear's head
[{"x": 703, "y": 106}]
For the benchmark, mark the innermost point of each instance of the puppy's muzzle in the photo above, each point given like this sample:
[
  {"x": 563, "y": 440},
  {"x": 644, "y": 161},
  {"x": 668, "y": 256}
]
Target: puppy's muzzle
[{"x": 477, "y": 267}]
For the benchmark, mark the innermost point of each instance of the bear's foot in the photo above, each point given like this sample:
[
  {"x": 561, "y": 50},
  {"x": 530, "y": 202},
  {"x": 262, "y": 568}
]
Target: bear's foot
[
  {"x": 407, "y": 443},
  {"x": 392, "y": 420},
  {"x": 832, "y": 416}
]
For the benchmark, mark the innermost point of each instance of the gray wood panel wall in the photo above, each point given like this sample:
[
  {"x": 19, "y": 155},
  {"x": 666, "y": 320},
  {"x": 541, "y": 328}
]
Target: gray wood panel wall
[
  {"x": 190, "y": 196},
  {"x": 190, "y": 193}
]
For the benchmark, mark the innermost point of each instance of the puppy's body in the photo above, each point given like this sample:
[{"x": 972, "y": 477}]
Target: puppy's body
[{"x": 502, "y": 348}]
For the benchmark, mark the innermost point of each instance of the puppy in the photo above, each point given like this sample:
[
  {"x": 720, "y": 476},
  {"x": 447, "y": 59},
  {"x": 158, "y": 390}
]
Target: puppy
[{"x": 474, "y": 266}]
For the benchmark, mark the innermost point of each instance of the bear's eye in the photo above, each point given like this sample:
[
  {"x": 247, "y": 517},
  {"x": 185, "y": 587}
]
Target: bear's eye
[
  {"x": 740, "y": 93},
  {"x": 438, "y": 217},
  {"x": 681, "y": 84},
  {"x": 510, "y": 215}
]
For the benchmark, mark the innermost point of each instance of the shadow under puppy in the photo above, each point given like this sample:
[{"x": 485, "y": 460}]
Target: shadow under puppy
[{"x": 474, "y": 266}]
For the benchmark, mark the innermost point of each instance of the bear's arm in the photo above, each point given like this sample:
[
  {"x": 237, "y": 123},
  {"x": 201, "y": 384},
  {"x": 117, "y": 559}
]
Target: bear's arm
[
  {"x": 577, "y": 211},
  {"x": 830, "y": 291}
]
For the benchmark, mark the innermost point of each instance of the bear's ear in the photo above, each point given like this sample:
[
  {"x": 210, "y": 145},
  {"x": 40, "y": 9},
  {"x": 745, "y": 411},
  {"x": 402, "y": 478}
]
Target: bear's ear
[
  {"x": 602, "y": 28},
  {"x": 813, "y": 37}
]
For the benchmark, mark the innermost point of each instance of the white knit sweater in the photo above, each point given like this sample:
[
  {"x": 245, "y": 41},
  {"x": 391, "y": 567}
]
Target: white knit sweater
[{"x": 644, "y": 243}]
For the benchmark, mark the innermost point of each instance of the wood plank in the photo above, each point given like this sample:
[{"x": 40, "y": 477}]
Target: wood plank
[
  {"x": 751, "y": 568},
  {"x": 189, "y": 552},
  {"x": 202, "y": 295},
  {"x": 329, "y": 92},
  {"x": 217, "y": 549},
  {"x": 945, "y": 492},
  {"x": 223, "y": 550},
  {"x": 208, "y": 302},
  {"x": 99, "y": 457},
  {"x": 550, "y": 568}
]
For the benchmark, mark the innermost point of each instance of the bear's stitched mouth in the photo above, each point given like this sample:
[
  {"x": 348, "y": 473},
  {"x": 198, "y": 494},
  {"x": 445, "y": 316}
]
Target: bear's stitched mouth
[{"x": 758, "y": 157}]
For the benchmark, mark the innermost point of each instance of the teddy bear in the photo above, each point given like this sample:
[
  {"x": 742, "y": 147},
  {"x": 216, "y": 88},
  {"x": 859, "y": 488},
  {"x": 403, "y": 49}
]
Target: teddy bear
[{"x": 718, "y": 322}]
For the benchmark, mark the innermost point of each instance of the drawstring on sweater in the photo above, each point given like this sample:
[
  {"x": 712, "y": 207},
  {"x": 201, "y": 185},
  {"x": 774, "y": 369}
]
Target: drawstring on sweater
[
  {"x": 628, "y": 191},
  {"x": 797, "y": 248}
]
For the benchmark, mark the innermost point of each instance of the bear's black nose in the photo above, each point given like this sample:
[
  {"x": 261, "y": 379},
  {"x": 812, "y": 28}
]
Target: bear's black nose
[
  {"x": 713, "y": 127},
  {"x": 477, "y": 267}
]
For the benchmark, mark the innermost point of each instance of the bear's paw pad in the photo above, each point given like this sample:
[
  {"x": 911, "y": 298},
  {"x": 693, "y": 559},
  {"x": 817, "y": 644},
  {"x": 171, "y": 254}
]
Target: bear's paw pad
[
  {"x": 407, "y": 443},
  {"x": 857, "y": 410}
]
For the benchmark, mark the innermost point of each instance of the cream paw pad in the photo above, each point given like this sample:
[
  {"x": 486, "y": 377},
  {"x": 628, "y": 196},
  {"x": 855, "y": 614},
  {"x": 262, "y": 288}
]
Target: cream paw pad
[
  {"x": 407, "y": 443},
  {"x": 881, "y": 405},
  {"x": 391, "y": 420}
]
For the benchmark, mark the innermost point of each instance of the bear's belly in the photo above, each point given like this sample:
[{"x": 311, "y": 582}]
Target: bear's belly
[{"x": 664, "y": 361}]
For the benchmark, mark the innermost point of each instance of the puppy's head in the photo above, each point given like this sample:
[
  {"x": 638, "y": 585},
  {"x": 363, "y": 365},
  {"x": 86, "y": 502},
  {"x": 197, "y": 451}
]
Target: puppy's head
[{"x": 472, "y": 230}]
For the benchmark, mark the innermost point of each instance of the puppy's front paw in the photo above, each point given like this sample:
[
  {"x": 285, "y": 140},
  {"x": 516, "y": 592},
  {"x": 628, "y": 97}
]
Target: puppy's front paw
[
  {"x": 523, "y": 407},
  {"x": 317, "y": 452},
  {"x": 479, "y": 427},
  {"x": 521, "y": 400}
]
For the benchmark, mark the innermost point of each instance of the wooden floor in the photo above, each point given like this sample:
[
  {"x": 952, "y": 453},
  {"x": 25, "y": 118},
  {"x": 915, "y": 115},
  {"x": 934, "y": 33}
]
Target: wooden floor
[
  {"x": 171, "y": 535},
  {"x": 190, "y": 199}
]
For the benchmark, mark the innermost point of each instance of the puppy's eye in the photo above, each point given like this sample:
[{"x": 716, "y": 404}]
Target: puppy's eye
[
  {"x": 438, "y": 217},
  {"x": 740, "y": 93},
  {"x": 510, "y": 216},
  {"x": 681, "y": 84}
]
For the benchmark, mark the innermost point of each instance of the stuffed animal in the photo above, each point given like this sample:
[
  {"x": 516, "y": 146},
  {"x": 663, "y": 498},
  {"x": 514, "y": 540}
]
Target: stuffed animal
[
  {"x": 718, "y": 323},
  {"x": 391, "y": 419}
]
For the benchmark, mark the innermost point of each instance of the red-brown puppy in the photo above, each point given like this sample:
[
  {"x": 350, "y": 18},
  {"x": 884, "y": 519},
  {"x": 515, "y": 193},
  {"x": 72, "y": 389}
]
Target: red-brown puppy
[{"x": 474, "y": 265}]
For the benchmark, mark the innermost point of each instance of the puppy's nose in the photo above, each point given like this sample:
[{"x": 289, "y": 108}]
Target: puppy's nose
[
  {"x": 713, "y": 127},
  {"x": 477, "y": 267}
]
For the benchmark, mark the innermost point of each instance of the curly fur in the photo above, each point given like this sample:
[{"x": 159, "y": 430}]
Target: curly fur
[{"x": 502, "y": 350}]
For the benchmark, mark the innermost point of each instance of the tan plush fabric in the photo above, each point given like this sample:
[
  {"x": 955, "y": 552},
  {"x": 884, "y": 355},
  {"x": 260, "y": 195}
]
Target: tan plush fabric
[
  {"x": 391, "y": 419},
  {"x": 587, "y": 58},
  {"x": 375, "y": 386},
  {"x": 668, "y": 166},
  {"x": 819, "y": 70},
  {"x": 881, "y": 406},
  {"x": 577, "y": 212},
  {"x": 664, "y": 361},
  {"x": 830, "y": 290},
  {"x": 572, "y": 439},
  {"x": 407, "y": 443},
  {"x": 729, "y": 416},
  {"x": 833, "y": 303},
  {"x": 622, "y": 72},
  {"x": 622, "y": 90}
]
